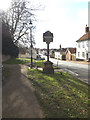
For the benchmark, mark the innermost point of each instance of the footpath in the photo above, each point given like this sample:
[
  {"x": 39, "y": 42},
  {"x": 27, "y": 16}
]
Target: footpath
[{"x": 18, "y": 96}]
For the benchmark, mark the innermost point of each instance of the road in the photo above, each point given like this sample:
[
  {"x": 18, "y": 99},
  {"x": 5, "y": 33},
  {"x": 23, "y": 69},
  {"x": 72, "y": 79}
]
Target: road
[{"x": 78, "y": 70}]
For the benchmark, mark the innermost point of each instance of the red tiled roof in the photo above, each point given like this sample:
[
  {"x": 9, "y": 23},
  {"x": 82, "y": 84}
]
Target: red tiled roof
[
  {"x": 84, "y": 37},
  {"x": 61, "y": 50},
  {"x": 72, "y": 50}
]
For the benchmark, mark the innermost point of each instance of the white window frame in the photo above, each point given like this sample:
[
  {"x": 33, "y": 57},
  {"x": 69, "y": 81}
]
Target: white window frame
[{"x": 78, "y": 54}]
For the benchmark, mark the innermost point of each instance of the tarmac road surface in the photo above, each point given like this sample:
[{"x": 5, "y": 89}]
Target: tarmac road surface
[{"x": 78, "y": 70}]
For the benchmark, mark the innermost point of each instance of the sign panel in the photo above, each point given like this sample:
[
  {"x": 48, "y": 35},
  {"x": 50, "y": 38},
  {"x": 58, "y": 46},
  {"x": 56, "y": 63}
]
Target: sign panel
[{"x": 48, "y": 37}]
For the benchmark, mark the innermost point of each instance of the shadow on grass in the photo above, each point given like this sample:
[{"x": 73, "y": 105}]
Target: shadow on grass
[{"x": 61, "y": 95}]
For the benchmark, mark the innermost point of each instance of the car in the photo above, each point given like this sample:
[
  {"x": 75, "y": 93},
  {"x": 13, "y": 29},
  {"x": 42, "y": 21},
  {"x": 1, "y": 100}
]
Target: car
[{"x": 42, "y": 58}]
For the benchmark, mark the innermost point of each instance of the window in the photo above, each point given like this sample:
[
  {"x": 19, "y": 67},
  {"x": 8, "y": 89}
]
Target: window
[
  {"x": 87, "y": 56},
  {"x": 83, "y": 54},
  {"x": 78, "y": 54}
]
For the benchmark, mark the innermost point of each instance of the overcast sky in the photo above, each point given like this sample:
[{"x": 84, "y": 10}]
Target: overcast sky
[{"x": 66, "y": 19}]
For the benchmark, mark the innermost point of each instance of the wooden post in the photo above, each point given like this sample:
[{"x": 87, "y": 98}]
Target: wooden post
[{"x": 47, "y": 52}]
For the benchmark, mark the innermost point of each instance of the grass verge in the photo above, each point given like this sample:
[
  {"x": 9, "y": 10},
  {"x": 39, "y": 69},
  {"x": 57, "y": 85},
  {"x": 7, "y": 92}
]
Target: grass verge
[
  {"x": 60, "y": 95},
  {"x": 36, "y": 63},
  {"x": 17, "y": 61},
  {"x": 39, "y": 63}
]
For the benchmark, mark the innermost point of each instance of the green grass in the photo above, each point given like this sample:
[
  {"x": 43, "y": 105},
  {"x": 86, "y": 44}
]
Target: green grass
[
  {"x": 17, "y": 61},
  {"x": 36, "y": 63},
  {"x": 39, "y": 63},
  {"x": 60, "y": 95}
]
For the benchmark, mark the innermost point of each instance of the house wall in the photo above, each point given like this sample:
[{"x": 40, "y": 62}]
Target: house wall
[
  {"x": 68, "y": 55},
  {"x": 58, "y": 55},
  {"x": 73, "y": 57},
  {"x": 63, "y": 57},
  {"x": 83, "y": 48}
]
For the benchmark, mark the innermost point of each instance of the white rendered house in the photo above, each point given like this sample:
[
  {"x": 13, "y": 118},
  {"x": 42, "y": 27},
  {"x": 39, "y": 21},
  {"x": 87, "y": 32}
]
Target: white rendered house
[
  {"x": 83, "y": 46},
  {"x": 60, "y": 54}
]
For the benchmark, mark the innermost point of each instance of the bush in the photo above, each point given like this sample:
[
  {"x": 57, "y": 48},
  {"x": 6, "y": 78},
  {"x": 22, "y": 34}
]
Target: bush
[{"x": 8, "y": 46}]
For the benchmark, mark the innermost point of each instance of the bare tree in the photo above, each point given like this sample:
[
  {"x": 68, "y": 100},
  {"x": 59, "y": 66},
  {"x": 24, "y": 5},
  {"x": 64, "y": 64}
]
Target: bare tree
[{"x": 18, "y": 18}]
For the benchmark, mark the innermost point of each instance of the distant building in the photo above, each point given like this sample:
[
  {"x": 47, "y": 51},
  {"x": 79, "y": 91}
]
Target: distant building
[
  {"x": 26, "y": 53},
  {"x": 52, "y": 53},
  {"x": 60, "y": 54},
  {"x": 71, "y": 54},
  {"x": 22, "y": 52},
  {"x": 83, "y": 46},
  {"x": 34, "y": 53}
]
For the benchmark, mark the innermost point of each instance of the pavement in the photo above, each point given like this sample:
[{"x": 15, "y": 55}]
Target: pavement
[
  {"x": 80, "y": 62},
  {"x": 18, "y": 99}
]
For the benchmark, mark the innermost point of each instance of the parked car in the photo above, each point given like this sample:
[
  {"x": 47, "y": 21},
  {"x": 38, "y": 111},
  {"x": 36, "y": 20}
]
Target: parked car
[{"x": 40, "y": 57}]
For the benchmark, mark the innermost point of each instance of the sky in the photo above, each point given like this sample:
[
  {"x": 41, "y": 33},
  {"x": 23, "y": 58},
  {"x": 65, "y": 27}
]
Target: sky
[{"x": 66, "y": 19}]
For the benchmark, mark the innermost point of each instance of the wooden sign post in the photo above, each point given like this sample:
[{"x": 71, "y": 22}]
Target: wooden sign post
[{"x": 48, "y": 37}]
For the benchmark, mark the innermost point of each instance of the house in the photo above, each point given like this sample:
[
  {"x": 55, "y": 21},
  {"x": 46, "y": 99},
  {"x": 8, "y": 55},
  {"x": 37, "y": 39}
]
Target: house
[
  {"x": 71, "y": 54},
  {"x": 83, "y": 46},
  {"x": 60, "y": 54},
  {"x": 52, "y": 53}
]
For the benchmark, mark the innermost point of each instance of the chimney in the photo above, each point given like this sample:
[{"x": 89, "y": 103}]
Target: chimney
[
  {"x": 60, "y": 46},
  {"x": 86, "y": 29}
]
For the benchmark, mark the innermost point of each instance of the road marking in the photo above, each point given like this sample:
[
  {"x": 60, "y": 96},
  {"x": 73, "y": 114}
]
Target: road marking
[{"x": 71, "y": 72}]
